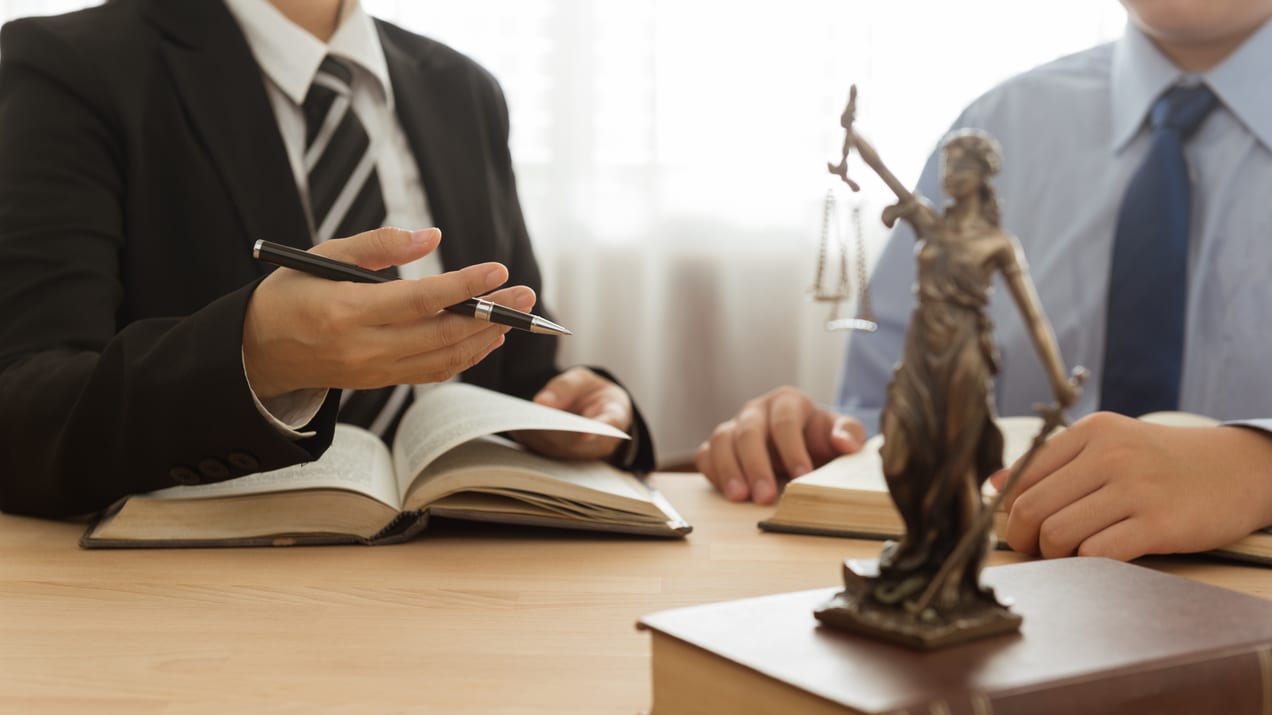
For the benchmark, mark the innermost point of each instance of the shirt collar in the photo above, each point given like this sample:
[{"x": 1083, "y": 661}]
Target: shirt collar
[
  {"x": 289, "y": 56},
  {"x": 1240, "y": 82},
  {"x": 1141, "y": 73}
]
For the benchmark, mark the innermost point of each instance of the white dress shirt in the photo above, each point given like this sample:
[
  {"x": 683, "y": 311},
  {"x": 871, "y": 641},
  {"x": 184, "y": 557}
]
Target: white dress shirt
[
  {"x": 289, "y": 58},
  {"x": 1072, "y": 133}
]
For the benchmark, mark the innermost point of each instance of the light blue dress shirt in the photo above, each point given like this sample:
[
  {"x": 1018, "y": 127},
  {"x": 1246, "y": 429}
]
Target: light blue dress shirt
[{"x": 1072, "y": 133}]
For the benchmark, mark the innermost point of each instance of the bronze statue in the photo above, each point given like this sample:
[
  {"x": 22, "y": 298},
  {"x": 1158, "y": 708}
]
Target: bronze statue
[{"x": 940, "y": 440}]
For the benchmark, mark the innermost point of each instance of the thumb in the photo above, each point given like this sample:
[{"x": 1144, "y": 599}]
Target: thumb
[
  {"x": 381, "y": 247},
  {"x": 565, "y": 389}
]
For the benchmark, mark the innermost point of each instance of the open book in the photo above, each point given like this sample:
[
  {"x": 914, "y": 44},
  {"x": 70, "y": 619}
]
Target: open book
[
  {"x": 446, "y": 461},
  {"x": 849, "y": 497}
]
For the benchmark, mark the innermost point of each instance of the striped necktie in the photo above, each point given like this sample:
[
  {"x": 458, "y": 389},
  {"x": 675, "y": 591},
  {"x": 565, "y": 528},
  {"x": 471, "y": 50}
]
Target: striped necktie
[
  {"x": 345, "y": 199},
  {"x": 344, "y": 188},
  {"x": 1148, "y": 281}
]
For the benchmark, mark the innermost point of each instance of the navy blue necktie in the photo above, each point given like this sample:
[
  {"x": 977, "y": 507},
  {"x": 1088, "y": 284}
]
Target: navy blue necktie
[{"x": 1148, "y": 283}]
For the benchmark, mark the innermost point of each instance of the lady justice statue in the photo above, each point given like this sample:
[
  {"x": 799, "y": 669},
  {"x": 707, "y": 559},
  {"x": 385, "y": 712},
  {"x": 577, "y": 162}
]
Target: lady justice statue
[{"x": 940, "y": 440}]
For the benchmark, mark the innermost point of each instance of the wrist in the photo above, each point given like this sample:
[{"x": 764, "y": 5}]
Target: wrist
[
  {"x": 260, "y": 384},
  {"x": 1255, "y": 472},
  {"x": 260, "y": 379}
]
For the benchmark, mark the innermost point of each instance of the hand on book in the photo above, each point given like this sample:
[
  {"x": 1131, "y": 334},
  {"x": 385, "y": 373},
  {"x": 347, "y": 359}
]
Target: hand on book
[
  {"x": 303, "y": 332},
  {"x": 781, "y": 434},
  {"x": 582, "y": 392},
  {"x": 1118, "y": 487}
]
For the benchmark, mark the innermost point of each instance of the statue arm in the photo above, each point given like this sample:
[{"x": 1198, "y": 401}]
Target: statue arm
[
  {"x": 872, "y": 160},
  {"x": 914, "y": 209},
  {"x": 911, "y": 207},
  {"x": 1015, "y": 271}
]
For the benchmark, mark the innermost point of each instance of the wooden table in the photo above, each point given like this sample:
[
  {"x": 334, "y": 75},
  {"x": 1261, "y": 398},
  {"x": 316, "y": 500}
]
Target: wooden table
[{"x": 467, "y": 619}]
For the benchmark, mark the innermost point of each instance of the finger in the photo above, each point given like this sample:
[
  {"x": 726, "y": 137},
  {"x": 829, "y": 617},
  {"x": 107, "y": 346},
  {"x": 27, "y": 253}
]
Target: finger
[
  {"x": 605, "y": 396},
  {"x": 999, "y": 479},
  {"x": 848, "y": 434},
  {"x": 595, "y": 447},
  {"x": 567, "y": 445},
  {"x": 787, "y": 419},
  {"x": 1032, "y": 512},
  {"x": 1063, "y": 532},
  {"x": 441, "y": 365},
  {"x": 1124, "y": 540},
  {"x": 610, "y": 409},
  {"x": 727, "y": 473},
  {"x": 750, "y": 445},
  {"x": 1058, "y": 451},
  {"x": 382, "y": 247},
  {"x": 416, "y": 338},
  {"x": 564, "y": 390},
  {"x": 831, "y": 435},
  {"x": 405, "y": 300},
  {"x": 519, "y": 297},
  {"x": 702, "y": 462}
]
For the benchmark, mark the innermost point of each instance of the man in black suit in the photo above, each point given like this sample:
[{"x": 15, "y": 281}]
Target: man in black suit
[{"x": 145, "y": 145}]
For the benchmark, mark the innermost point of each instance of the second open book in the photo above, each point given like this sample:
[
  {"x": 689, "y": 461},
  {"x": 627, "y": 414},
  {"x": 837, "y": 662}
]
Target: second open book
[
  {"x": 849, "y": 497},
  {"x": 446, "y": 461}
]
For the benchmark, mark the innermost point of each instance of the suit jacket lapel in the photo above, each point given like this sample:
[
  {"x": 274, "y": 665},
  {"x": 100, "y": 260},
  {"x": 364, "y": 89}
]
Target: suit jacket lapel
[
  {"x": 223, "y": 90},
  {"x": 441, "y": 160}
]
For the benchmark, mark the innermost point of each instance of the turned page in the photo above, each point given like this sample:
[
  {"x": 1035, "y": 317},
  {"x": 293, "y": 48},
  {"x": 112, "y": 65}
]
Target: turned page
[
  {"x": 446, "y": 416},
  {"x": 356, "y": 461},
  {"x": 863, "y": 470}
]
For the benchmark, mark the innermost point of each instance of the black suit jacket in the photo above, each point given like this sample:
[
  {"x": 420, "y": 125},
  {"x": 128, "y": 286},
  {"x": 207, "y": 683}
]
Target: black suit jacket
[{"x": 139, "y": 160}]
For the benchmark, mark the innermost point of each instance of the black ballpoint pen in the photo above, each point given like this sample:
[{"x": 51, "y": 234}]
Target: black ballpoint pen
[{"x": 331, "y": 269}]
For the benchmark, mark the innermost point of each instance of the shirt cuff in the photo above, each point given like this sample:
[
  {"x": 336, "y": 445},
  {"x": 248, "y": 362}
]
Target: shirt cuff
[
  {"x": 290, "y": 411},
  {"x": 1263, "y": 424}
]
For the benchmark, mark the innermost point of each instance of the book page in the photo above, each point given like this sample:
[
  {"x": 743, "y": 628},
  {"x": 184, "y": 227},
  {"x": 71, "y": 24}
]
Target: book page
[
  {"x": 496, "y": 466},
  {"x": 357, "y": 461},
  {"x": 452, "y": 413},
  {"x": 863, "y": 470}
]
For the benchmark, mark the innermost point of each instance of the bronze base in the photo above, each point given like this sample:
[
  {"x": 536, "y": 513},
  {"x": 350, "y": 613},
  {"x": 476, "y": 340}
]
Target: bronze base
[{"x": 854, "y": 610}]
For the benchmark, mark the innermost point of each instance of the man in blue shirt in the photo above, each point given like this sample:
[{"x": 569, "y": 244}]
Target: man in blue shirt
[{"x": 1073, "y": 133}]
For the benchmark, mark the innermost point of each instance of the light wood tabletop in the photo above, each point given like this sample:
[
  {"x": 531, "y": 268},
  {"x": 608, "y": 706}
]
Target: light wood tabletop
[{"x": 465, "y": 619}]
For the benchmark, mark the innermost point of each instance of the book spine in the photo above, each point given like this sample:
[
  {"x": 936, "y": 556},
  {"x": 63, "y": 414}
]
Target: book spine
[
  {"x": 1236, "y": 684},
  {"x": 404, "y": 527}
]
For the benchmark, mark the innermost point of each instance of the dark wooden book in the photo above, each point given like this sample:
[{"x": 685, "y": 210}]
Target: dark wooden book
[
  {"x": 1099, "y": 636},
  {"x": 849, "y": 497}
]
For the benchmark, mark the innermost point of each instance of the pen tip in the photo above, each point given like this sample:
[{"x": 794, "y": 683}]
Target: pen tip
[{"x": 547, "y": 327}]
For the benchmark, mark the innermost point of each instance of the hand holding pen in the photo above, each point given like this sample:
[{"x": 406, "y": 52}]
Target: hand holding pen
[
  {"x": 300, "y": 333},
  {"x": 331, "y": 269}
]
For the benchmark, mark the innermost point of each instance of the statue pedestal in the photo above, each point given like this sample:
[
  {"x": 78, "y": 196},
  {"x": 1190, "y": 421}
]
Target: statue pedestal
[{"x": 853, "y": 609}]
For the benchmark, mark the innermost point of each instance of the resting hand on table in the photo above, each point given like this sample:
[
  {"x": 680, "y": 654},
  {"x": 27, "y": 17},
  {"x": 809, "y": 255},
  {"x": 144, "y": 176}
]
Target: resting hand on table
[
  {"x": 1118, "y": 487},
  {"x": 305, "y": 332},
  {"x": 582, "y": 392},
  {"x": 782, "y": 434}
]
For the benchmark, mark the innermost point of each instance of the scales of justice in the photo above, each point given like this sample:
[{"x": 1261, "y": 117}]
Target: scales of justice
[{"x": 940, "y": 440}]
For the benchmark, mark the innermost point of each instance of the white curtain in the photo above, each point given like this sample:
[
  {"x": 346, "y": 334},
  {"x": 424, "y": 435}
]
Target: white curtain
[{"x": 671, "y": 156}]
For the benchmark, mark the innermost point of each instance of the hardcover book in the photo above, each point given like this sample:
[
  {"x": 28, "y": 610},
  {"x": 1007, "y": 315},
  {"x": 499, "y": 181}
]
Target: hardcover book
[
  {"x": 849, "y": 497},
  {"x": 1099, "y": 637},
  {"x": 447, "y": 460}
]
